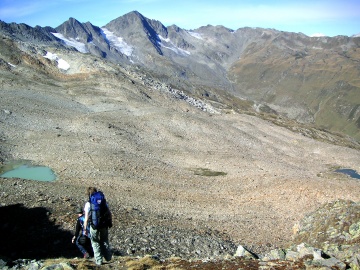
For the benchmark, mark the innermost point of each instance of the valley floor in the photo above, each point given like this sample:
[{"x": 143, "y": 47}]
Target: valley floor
[{"x": 150, "y": 155}]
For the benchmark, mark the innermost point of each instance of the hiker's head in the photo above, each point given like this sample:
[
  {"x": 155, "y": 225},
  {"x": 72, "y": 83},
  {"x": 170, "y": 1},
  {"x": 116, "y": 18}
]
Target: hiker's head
[{"x": 90, "y": 190}]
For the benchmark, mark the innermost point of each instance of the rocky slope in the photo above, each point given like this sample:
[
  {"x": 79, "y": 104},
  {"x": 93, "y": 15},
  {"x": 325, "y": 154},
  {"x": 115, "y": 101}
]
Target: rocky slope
[
  {"x": 45, "y": 238},
  {"x": 172, "y": 166}
]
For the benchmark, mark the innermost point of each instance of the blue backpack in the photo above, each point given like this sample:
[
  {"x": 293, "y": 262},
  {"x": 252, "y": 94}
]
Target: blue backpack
[{"x": 100, "y": 213}]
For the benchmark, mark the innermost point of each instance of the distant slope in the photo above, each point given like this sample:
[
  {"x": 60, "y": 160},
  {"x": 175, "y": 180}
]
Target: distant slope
[{"x": 313, "y": 80}]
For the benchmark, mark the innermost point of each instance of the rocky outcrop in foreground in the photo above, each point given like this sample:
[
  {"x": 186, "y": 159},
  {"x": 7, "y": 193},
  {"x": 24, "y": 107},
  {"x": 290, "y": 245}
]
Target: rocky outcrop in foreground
[{"x": 331, "y": 238}]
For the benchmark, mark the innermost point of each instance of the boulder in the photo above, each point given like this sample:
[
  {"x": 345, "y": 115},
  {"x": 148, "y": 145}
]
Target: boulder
[{"x": 244, "y": 253}]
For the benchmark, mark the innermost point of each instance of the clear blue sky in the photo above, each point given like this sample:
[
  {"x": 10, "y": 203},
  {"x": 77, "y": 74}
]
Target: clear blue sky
[{"x": 328, "y": 17}]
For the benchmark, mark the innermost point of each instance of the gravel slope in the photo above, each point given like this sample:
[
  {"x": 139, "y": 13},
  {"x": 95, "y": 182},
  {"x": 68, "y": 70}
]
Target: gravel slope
[{"x": 145, "y": 149}]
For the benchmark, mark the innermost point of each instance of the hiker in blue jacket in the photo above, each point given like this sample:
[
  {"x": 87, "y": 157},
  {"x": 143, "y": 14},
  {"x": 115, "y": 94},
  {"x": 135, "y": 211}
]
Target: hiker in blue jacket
[
  {"x": 81, "y": 240},
  {"x": 98, "y": 215}
]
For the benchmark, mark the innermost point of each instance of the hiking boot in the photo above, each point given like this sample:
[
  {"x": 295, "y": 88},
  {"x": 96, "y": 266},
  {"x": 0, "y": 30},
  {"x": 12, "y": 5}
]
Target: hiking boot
[{"x": 86, "y": 256}]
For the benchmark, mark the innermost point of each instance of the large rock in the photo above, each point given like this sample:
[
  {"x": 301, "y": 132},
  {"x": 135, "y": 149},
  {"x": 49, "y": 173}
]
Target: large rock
[
  {"x": 335, "y": 229},
  {"x": 244, "y": 253},
  {"x": 335, "y": 223}
]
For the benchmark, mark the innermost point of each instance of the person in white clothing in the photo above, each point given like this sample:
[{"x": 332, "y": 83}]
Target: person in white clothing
[{"x": 99, "y": 236}]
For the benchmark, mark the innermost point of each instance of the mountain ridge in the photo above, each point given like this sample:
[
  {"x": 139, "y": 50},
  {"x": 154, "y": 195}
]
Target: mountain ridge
[
  {"x": 208, "y": 57},
  {"x": 281, "y": 73}
]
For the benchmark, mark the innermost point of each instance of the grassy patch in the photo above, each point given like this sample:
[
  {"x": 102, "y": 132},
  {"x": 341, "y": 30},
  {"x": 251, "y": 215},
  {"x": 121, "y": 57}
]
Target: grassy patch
[
  {"x": 143, "y": 263},
  {"x": 207, "y": 172}
]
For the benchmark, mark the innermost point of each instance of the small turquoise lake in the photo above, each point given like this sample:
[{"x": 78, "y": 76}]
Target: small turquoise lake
[
  {"x": 350, "y": 172},
  {"x": 27, "y": 171}
]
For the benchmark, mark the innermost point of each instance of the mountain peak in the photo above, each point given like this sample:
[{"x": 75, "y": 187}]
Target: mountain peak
[
  {"x": 71, "y": 21},
  {"x": 133, "y": 17},
  {"x": 72, "y": 28},
  {"x": 145, "y": 29}
]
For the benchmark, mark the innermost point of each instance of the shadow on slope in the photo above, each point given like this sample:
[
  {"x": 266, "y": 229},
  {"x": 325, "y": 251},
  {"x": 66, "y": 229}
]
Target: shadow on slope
[{"x": 30, "y": 233}]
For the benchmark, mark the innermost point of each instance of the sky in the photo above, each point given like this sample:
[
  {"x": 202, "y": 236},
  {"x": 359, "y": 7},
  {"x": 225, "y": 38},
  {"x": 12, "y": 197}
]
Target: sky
[{"x": 311, "y": 17}]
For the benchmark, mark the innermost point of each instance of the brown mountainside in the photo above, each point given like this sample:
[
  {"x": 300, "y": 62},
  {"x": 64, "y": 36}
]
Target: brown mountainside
[{"x": 317, "y": 82}]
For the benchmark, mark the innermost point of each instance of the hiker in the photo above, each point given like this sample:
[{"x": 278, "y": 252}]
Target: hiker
[
  {"x": 81, "y": 240},
  {"x": 98, "y": 215}
]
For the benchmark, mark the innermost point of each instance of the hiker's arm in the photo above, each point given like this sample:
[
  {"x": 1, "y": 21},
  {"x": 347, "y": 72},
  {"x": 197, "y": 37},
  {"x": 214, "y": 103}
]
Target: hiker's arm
[
  {"x": 109, "y": 215},
  {"x": 86, "y": 220},
  {"x": 110, "y": 219},
  {"x": 77, "y": 230}
]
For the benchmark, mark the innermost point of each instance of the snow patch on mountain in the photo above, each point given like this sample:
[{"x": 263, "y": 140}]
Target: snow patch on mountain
[
  {"x": 117, "y": 42},
  {"x": 62, "y": 64},
  {"x": 171, "y": 46},
  {"x": 195, "y": 35},
  {"x": 81, "y": 47},
  {"x": 318, "y": 35},
  {"x": 12, "y": 65}
]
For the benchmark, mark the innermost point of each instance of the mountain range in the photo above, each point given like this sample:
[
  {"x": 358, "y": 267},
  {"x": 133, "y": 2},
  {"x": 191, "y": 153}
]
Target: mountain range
[{"x": 313, "y": 80}]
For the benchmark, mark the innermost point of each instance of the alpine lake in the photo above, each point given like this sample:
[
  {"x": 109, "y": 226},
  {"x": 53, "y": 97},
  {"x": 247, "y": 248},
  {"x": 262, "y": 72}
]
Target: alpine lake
[
  {"x": 349, "y": 172},
  {"x": 25, "y": 169}
]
